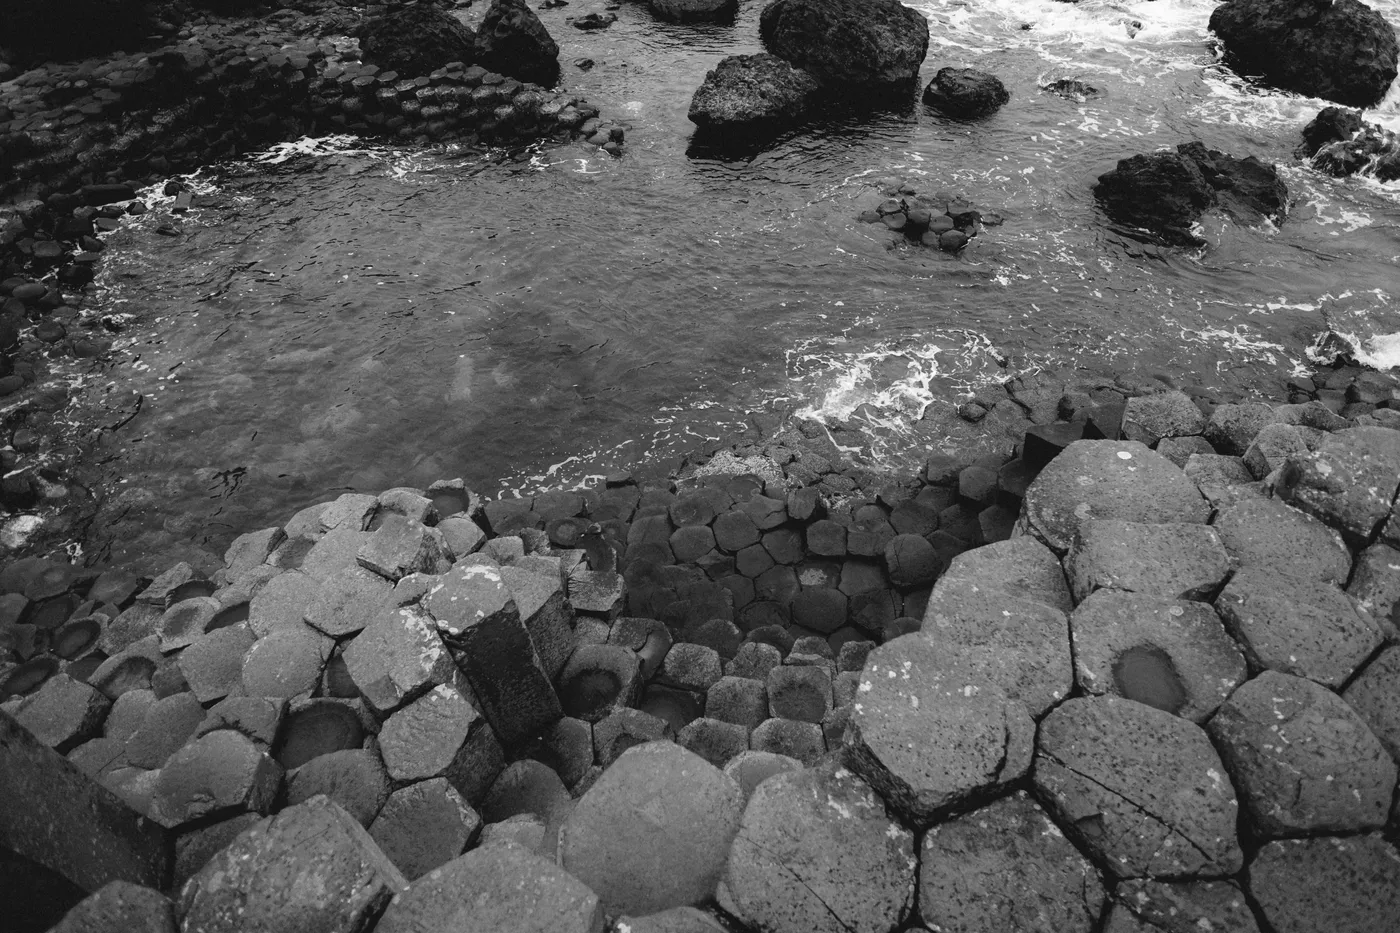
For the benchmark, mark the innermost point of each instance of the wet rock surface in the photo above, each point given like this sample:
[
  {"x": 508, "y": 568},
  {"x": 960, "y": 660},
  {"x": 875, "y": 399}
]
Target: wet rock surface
[
  {"x": 752, "y": 95},
  {"x": 965, "y": 92}
]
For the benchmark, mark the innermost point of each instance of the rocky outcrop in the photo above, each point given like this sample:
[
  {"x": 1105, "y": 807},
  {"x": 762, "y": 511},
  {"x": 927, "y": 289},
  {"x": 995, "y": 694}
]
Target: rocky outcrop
[
  {"x": 1165, "y": 193},
  {"x": 1340, "y": 143},
  {"x": 848, "y": 45},
  {"x": 965, "y": 93},
  {"x": 416, "y": 39},
  {"x": 513, "y": 41},
  {"x": 1342, "y": 51},
  {"x": 752, "y": 96}
]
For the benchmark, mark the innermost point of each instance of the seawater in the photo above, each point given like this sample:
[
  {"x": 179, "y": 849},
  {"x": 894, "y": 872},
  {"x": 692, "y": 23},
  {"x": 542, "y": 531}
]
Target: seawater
[{"x": 359, "y": 315}]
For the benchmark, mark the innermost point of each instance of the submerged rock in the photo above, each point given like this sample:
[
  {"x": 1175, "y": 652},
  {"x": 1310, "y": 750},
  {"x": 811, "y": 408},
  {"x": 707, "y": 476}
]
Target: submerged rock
[
  {"x": 965, "y": 92},
  {"x": 1343, "y": 50},
  {"x": 686, "y": 11},
  {"x": 752, "y": 95},
  {"x": 849, "y": 44}
]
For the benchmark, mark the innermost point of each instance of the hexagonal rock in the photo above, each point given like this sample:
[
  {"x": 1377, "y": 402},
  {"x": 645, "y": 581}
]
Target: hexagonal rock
[
  {"x": 1310, "y": 629},
  {"x": 912, "y": 562},
  {"x": 398, "y": 657},
  {"x": 1347, "y": 885},
  {"x": 479, "y": 621},
  {"x": 1178, "y": 561},
  {"x": 120, "y": 907},
  {"x": 1006, "y": 867},
  {"x": 597, "y": 592},
  {"x": 1303, "y": 761},
  {"x": 310, "y": 867},
  {"x": 401, "y": 546},
  {"x": 1149, "y": 418},
  {"x": 738, "y": 700},
  {"x": 438, "y": 735},
  {"x": 64, "y": 713},
  {"x": 752, "y": 768},
  {"x": 1375, "y": 696},
  {"x": 816, "y": 852},
  {"x": 714, "y": 740},
  {"x": 755, "y": 659},
  {"x": 286, "y": 663},
  {"x": 352, "y": 599},
  {"x": 801, "y": 693},
  {"x": 256, "y": 717},
  {"x": 220, "y": 771},
  {"x": 1349, "y": 481},
  {"x": 355, "y": 779},
  {"x": 599, "y": 679},
  {"x": 1015, "y": 647},
  {"x": 185, "y": 621},
  {"x": 1022, "y": 567},
  {"x": 925, "y": 738},
  {"x": 625, "y": 728},
  {"x": 1141, "y": 790},
  {"x": 423, "y": 826},
  {"x": 1179, "y": 907},
  {"x": 168, "y": 724},
  {"x": 1271, "y": 533},
  {"x": 804, "y": 741},
  {"x": 283, "y": 602},
  {"x": 498, "y": 887},
  {"x": 1171, "y": 654},
  {"x": 1106, "y": 480},
  {"x": 820, "y": 608},
  {"x": 691, "y": 667},
  {"x": 654, "y": 831}
]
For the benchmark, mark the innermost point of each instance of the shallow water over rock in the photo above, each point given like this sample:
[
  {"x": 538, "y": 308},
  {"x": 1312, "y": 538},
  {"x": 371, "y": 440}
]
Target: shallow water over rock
[{"x": 366, "y": 316}]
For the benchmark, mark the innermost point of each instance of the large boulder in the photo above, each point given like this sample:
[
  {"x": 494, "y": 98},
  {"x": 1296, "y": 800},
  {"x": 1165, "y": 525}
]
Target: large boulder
[
  {"x": 310, "y": 868},
  {"x": 752, "y": 95},
  {"x": 415, "y": 40},
  {"x": 851, "y": 44},
  {"x": 513, "y": 41},
  {"x": 1343, "y": 50},
  {"x": 965, "y": 92},
  {"x": 1165, "y": 193},
  {"x": 654, "y": 831}
]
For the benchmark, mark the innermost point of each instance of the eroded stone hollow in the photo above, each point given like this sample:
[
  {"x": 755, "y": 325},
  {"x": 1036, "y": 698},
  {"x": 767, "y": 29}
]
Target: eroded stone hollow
[
  {"x": 318, "y": 729},
  {"x": 1146, "y": 673},
  {"x": 589, "y": 694}
]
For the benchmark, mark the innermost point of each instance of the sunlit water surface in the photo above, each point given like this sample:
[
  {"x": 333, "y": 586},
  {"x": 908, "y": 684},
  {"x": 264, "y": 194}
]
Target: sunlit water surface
[{"x": 358, "y": 316}]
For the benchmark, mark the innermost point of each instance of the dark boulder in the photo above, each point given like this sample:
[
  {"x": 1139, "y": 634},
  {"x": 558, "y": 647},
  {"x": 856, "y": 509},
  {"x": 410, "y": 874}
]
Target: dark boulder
[
  {"x": 415, "y": 40},
  {"x": 1332, "y": 124},
  {"x": 1340, "y": 143},
  {"x": 851, "y": 44},
  {"x": 752, "y": 95},
  {"x": 1343, "y": 50},
  {"x": 965, "y": 92},
  {"x": 513, "y": 41},
  {"x": 1166, "y": 192}
]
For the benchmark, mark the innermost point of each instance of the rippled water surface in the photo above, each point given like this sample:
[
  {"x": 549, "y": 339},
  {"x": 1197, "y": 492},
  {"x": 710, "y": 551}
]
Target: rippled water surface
[{"x": 369, "y": 317}]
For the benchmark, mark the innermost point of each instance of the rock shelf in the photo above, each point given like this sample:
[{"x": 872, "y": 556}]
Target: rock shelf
[{"x": 1142, "y": 670}]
